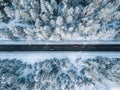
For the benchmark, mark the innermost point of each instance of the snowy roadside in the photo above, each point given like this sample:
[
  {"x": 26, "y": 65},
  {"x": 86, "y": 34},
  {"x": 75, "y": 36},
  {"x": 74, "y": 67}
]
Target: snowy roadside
[
  {"x": 39, "y": 42},
  {"x": 32, "y": 57}
]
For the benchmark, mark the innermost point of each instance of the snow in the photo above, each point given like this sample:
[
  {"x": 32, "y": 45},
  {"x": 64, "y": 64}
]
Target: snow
[
  {"x": 15, "y": 23},
  {"x": 59, "y": 21},
  {"x": 32, "y": 57},
  {"x": 69, "y": 19},
  {"x": 49, "y": 7},
  {"x": 78, "y": 70},
  {"x": 40, "y": 42},
  {"x": 113, "y": 25},
  {"x": 99, "y": 20}
]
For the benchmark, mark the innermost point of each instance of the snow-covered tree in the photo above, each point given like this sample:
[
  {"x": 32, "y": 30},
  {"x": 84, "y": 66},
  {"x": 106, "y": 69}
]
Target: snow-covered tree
[{"x": 59, "y": 21}]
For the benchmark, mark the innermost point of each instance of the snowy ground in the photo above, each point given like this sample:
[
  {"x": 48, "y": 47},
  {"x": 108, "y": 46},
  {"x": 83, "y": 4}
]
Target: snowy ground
[
  {"x": 32, "y": 57},
  {"x": 39, "y": 42}
]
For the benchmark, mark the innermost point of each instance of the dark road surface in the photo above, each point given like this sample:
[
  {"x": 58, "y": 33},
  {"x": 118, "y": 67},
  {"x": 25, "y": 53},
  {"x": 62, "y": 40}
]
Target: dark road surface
[{"x": 67, "y": 47}]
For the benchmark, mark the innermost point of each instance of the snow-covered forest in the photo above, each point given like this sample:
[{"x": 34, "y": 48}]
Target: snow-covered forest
[
  {"x": 76, "y": 71},
  {"x": 59, "y": 20}
]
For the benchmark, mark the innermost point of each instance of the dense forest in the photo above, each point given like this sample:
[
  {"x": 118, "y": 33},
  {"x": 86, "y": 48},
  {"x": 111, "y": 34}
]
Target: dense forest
[
  {"x": 98, "y": 73},
  {"x": 59, "y": 20}
]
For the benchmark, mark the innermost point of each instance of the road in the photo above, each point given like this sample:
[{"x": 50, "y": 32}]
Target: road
[{"x": 65, "y": 47}]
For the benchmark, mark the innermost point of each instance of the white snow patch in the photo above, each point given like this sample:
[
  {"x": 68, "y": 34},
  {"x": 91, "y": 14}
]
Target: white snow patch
[{"x": 32, "y": 57}]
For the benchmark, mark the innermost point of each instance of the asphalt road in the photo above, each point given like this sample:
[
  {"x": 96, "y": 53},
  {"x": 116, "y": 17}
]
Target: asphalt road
[{"x": 67, "y": 47}]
